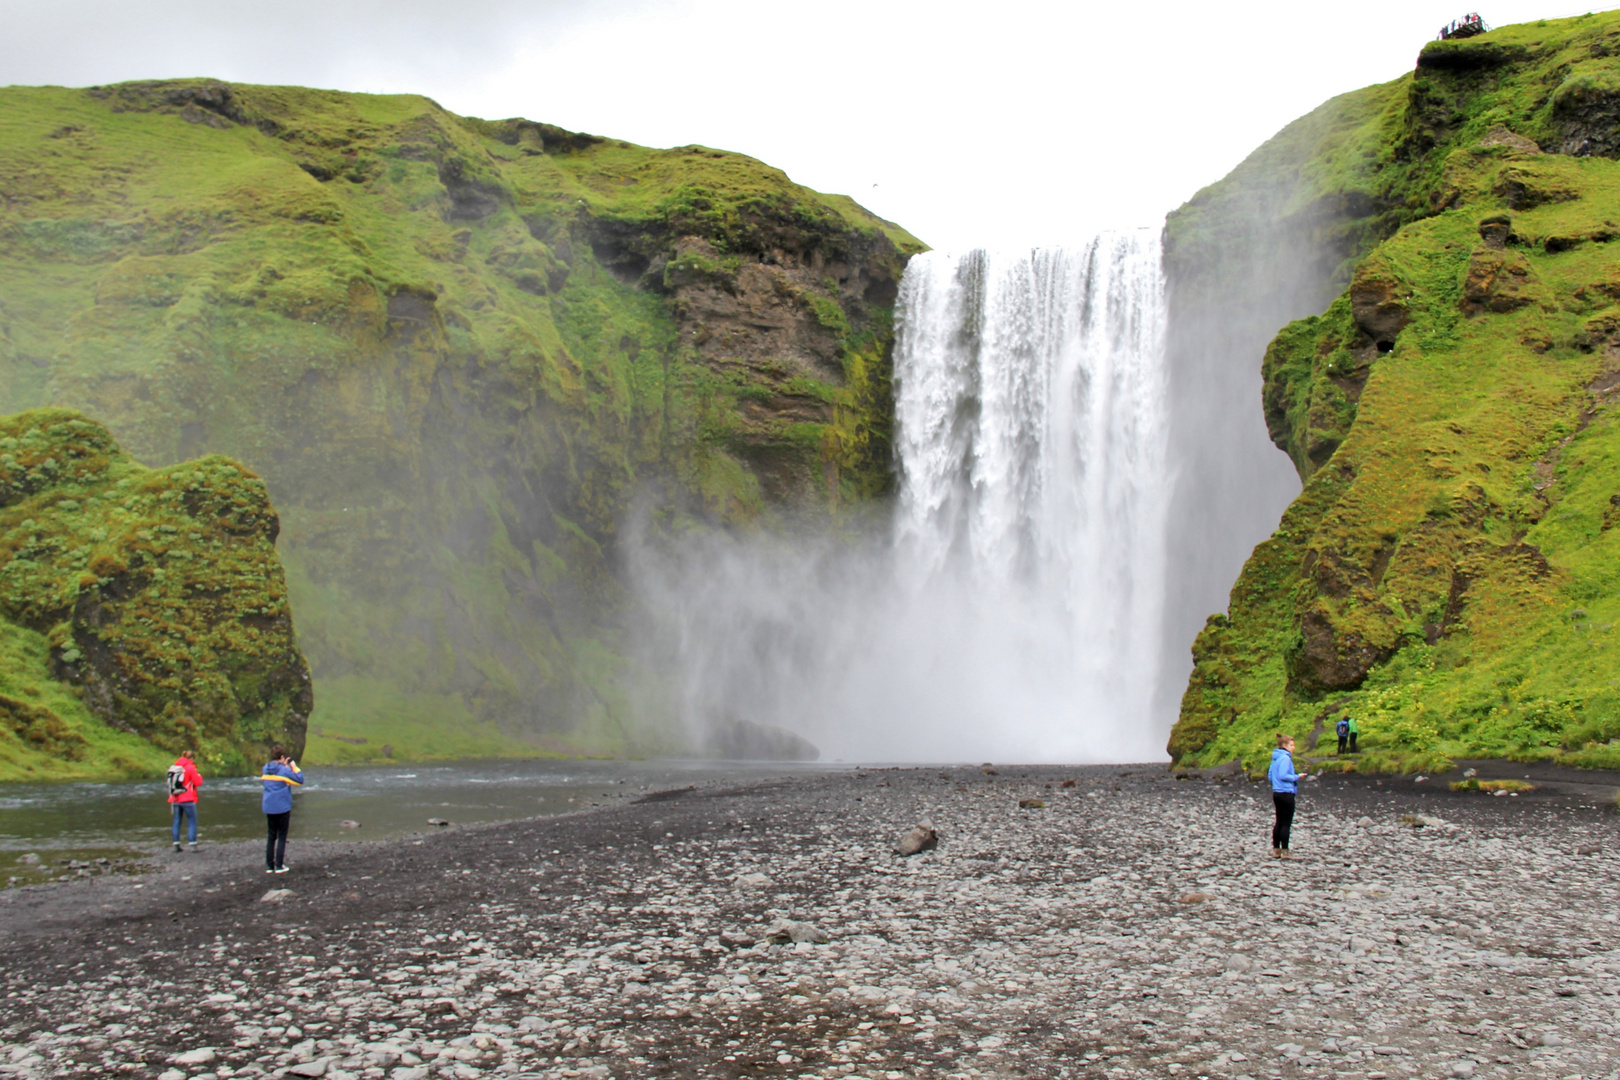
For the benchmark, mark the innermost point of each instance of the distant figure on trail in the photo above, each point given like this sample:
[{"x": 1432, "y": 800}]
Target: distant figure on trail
[
  {"x": 280, "y": 776},
  {"x": 184, "y": 780},
  {"x": 1343, "y": 729},
  {"x": 1284, "y": 785},
  {"x": 1355, "y": 730}
]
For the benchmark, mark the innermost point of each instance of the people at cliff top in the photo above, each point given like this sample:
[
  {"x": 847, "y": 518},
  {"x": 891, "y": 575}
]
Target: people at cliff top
[
  {"x": 280, "y": 776},
  {"x": 183, "y": 781},
  {"x": 1284, "y": 788}
]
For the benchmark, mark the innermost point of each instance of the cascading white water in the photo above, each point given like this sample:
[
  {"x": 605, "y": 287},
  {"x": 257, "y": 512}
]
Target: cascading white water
[
  {"x": 1031, "y": 404},
  {"x": 1015, "y": 612}
]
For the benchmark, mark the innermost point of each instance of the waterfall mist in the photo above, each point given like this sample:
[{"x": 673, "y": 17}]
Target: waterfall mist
[{"x": 1013, "y": 605}]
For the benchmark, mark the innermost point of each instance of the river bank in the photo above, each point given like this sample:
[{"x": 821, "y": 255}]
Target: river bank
[{"x": 1133, "y": 926}]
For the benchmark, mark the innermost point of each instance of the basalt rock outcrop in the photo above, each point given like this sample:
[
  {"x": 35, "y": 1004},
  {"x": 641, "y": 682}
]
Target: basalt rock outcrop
[
  {"x": 1445, "y": 575},
  {"x": 461, "y": 353}
]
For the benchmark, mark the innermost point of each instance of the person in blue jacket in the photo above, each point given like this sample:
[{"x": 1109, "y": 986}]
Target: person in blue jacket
[
  {"x": 280, "y": 776},
  {"x": 1284, "y": 787}
]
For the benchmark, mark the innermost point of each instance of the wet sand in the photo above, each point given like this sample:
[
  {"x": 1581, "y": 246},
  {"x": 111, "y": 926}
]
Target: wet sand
[{"x": 1133, "y": 926}]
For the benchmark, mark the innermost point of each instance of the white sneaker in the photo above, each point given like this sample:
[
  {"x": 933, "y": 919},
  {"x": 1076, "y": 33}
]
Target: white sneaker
[{"x": 282, "y": 869}]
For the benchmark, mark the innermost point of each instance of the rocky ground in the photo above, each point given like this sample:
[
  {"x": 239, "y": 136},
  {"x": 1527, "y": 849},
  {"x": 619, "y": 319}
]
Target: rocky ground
[{"x": 1133, "y": 926}]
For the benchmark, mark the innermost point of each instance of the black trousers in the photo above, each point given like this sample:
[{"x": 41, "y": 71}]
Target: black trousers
[
  {"x": 275, "y": 848},
  {"x": 1343, "y": 739},
  {"x": 1284, "y": 801},
  {"x": 1353, "y": 742}
]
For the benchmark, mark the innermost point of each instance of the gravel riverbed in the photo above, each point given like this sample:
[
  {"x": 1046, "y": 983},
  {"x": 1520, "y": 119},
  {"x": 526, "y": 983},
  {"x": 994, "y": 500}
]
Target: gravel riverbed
[{"x": 1133, "y": 926}]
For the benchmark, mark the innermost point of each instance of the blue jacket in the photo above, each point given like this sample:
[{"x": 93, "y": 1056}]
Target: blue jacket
[
  {"x": 1282, "y": 776},
  {"x": 279, "y": 780}
]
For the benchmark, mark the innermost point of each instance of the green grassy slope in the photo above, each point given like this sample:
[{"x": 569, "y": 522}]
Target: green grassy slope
[
  {"x": 142, "y": 612},
  {"x": 457, "y": 350},
  {"x": 1447, "y": 573}
]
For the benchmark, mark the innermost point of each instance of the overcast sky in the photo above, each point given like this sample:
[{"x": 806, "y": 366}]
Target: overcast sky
[{"x": 1008, "y": 122}]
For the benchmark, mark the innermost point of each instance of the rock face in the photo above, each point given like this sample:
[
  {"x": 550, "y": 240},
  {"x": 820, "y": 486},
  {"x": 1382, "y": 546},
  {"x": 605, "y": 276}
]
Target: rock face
[
  {"x": 155, "y": 595},
  {"x": 1444, "y": 576},
  {"x": 459, "y": 352}
]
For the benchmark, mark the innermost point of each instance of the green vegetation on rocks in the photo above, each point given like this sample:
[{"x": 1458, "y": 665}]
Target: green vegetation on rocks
[
  {"x": 1447, "y": 574},
  {"x": 142, "y": 611},
  {"x": 459, "y": 352}
]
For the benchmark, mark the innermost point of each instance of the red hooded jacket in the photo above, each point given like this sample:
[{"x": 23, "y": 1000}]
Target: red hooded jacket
[{"x": 193, "y": 781}]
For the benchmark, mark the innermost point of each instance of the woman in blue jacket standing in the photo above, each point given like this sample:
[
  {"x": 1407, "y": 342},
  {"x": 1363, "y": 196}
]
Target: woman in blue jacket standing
[
  {"x": 1284, "y": 787},
  {"x": 280, "y": 776}
]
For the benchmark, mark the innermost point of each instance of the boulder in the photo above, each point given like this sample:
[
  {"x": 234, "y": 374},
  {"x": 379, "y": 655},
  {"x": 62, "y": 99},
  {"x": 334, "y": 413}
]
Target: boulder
[
  {"x": 744, "y": 740},
  {"x": 793, "y": 932},
  {"x": 922, "y": 837}
]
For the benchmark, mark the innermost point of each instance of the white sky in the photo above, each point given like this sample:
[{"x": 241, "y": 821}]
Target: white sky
[{"x": 991, "y": 123}]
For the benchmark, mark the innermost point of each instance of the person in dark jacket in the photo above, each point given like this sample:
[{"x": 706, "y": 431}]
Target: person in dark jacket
[
  {"x": 1343, "y": 730},
  {"x": 280, "y": 776},
  {"x": 1284, "y": 788},
  {"x": 183, "y": 780}
]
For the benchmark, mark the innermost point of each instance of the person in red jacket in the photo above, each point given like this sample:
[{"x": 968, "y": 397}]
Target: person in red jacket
[{"x": 184, "y": 780}]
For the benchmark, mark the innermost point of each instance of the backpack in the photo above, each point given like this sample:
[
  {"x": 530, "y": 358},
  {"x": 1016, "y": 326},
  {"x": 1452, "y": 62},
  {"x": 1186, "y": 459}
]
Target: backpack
[
  {"x": 1344, "y": 728},
  {"x": 177, "y": 779}
]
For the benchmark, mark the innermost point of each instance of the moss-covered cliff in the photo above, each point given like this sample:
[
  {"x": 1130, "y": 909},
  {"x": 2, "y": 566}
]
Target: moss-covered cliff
[
  {"x": 142, "y": 611},
  {"x": 458, "y": 351},
  {"x": 1447, "y": 573}
]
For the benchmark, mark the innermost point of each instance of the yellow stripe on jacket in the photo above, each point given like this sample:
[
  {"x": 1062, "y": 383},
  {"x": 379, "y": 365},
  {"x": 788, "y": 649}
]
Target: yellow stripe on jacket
[{"x": 283, "y": 779}]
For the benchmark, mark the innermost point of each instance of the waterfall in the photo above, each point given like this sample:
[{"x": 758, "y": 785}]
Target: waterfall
[
  {"x": 1015, "y": 609},
  {"x": 1031, "y": 403}
]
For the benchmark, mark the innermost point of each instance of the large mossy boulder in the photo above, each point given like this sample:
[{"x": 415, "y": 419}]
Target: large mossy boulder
[{"x": 153, "y": 598}]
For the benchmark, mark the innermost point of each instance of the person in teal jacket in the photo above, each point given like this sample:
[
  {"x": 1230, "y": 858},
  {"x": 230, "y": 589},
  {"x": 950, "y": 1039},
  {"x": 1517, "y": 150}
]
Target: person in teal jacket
[
  {"x": 1284, "y": 789},
  {"x": 280, "y": 776}
]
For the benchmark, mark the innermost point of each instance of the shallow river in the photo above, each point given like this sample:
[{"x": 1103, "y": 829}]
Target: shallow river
[{"x": 84, "y": 819}]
